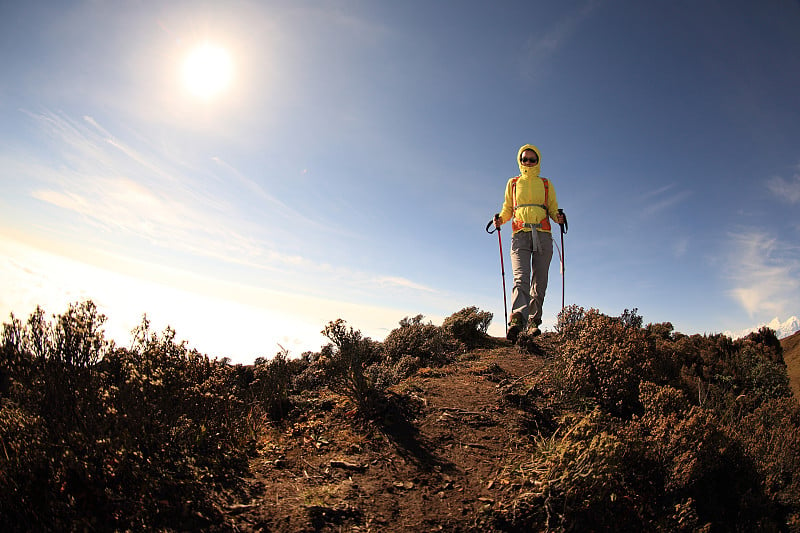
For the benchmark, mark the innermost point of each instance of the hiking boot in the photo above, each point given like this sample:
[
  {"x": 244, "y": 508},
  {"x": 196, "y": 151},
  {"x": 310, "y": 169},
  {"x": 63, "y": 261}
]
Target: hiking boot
[
  {"x": 515, "y": 326},
  {"x": 533, "y": 330}
]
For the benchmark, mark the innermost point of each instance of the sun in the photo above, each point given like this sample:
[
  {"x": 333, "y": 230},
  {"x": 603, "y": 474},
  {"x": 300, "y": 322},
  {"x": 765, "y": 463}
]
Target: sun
[{"x": 207, "y": 71}]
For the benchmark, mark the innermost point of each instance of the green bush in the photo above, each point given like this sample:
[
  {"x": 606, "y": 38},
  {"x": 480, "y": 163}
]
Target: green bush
[
  {"x": 583, "y": 480},
  {"x": 756, "y": 372},
  {"x": 662, "y": 331},
  {"x": 631, "y": 318}
]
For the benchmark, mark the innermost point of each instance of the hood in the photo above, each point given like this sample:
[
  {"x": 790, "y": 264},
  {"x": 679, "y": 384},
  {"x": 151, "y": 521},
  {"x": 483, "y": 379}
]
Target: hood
[{"x": 529, "y": 172}]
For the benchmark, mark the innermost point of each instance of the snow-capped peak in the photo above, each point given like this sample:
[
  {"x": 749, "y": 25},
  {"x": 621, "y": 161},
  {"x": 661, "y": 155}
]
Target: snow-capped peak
[{"x": 782, "y": 329}]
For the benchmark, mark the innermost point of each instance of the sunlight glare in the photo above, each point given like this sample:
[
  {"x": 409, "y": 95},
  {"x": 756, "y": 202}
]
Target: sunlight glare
[{"x": 207, "y": 71}]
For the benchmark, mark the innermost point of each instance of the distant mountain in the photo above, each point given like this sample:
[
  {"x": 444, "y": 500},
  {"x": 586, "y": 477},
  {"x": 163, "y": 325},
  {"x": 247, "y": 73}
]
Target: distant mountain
[
  {"x": 781, "y": 329},
  {"x": 784, "y": 329}
]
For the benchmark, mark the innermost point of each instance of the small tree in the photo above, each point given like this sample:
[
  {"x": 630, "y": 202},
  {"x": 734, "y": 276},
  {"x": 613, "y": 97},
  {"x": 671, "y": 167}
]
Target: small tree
[{"x": 468, "y": 325}]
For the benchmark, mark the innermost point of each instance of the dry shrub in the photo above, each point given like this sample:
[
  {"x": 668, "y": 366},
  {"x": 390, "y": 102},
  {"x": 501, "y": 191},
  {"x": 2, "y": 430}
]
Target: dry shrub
[
  {"x": 688, "y": 433},
  {"x": 272, "y": 383},
  {"x": 660, "y": 401},
  {"x": 575, "y": 481},
  {"x": 416, "y": 344},
  {"x": 699, "y": 462},
  {"x": 726, "y": 375},
  {"x": 114, "y": 439},
  {"x": 692, "y": 448},
  {"x": 468, "y": 325},
  {"x": 768, "y": 342},
  {"x": 605, "y": 358},
  {"x": 771, "y": 435},
  {"x": 23, "y": 447},
  {"x": 353, "y": 366}
]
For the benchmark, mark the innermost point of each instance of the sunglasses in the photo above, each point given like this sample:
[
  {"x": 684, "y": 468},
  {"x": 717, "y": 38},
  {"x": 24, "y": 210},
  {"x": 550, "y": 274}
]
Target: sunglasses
[{"x": 531, "y": 160}]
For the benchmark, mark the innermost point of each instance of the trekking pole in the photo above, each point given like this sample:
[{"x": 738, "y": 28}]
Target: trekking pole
[
  {"x": 502, "y": 268},
  {"x": 564, "y": 229}
]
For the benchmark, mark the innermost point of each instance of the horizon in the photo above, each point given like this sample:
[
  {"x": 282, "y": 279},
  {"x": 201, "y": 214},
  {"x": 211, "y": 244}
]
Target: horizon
[{"x": 248, "y": 173}]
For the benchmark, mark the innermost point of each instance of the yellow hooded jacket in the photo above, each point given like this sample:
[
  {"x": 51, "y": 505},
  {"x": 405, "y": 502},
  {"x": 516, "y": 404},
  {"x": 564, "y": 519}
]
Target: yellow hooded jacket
[{"x": 531, "y": 197}]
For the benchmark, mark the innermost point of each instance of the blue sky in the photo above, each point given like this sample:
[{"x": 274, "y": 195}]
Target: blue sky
[{"x": 348, "y": 166}]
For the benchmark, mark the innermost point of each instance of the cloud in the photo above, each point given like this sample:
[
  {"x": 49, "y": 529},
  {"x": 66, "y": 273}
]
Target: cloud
[
  {"x": 147, "y": 195},
  {"x": 786, "y": 190},
  {"x": 680, "y": 247},
  {"x": 661, "y": 199},
  {"x": 402, "y": 283},
  {"x": 254, "y": 188},
  {"x": 541, "y": 47},
  {"x": 147, "y": 198},
  {"x": 764, "y": 273}
]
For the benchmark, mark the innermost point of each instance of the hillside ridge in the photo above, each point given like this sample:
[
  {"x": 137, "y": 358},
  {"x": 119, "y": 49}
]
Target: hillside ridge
[
  {"x": 454, "y": 452},
  {"x": 791, "y": 356},
  {"x": 608, "y": 424}
]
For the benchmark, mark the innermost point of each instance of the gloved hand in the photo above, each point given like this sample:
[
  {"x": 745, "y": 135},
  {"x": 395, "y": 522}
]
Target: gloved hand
[{"x": 561, "y": 218}]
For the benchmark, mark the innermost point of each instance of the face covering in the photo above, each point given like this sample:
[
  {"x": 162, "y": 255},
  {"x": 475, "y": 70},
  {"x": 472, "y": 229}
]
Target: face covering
[{"x": 526, "y": 171}]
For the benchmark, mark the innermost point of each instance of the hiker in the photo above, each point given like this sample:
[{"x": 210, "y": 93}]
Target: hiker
[{"x": 531, "y": 201}]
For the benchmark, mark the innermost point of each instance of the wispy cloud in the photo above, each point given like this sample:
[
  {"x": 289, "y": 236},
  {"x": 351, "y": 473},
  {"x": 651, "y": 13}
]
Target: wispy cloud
[
  {"x": 787, "y": 190},
  {"x": 661, "y": 199},
  {"x": 134, "y": 194},
  {"x": 146, "y": 195},
  {"x": 680, "y": 247},
  {"x": 254, "y": 188},
  {"x": 541, "y": 47},
  {"x": 393, "y": 281},
  {"x": 765, "y": 274}
]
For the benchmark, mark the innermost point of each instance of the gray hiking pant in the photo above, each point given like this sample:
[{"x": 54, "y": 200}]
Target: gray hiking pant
[{"x": 530, "y": 249}]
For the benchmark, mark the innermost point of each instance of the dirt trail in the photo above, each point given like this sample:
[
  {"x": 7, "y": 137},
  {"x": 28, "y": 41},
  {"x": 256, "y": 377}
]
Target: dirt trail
[{"x": 434, "y": 463}]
